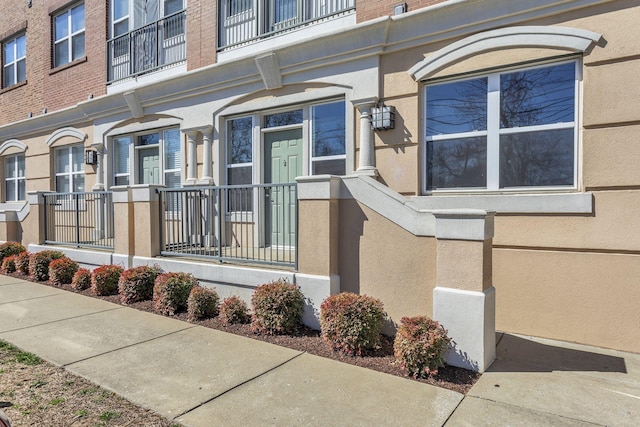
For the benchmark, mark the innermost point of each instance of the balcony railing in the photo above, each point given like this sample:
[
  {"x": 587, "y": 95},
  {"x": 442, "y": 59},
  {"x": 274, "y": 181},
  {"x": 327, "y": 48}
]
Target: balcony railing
[
  {"x": 243, "y": 21},
  {"x": 152, "y": 47},
  {"x": 79, "y": 219},
  {"x": 252, "y": 224}
]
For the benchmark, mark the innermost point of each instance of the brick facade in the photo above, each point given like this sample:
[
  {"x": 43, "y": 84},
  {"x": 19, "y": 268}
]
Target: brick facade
[
  {"x": 368, "y": 9},
  {"x": 201, "y": 33},
  {"x": 49, "y": 88}
]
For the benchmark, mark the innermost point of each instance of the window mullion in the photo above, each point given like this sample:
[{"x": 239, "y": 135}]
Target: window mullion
[{"x": 493, "y": 132}]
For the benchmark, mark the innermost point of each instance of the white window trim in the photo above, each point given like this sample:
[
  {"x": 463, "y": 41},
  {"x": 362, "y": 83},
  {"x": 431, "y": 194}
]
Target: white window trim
[
  {"x": 16, "y": 178},
  {"x": 14, "y": 64},
  {"x": 493, "y": 133},
  {"x": 71, "y": 174},
  {"x": 69, "y": 35},
  {"x": 130, "y": 14}
]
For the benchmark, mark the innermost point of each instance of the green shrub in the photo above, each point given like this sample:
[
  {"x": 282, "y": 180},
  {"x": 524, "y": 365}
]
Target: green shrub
[
  {"x": 136, "y": 284},
  {"x": 81, "y": 280},
  {"x": 22, "y": 262},
  {"x": 277, "y": 308},
  {"x": 104, "y": 279},
  {"x": 352, "y": 323},
  {"x": 39, "y": 263},
  {"x": 234, "y": 310},
  {"x": 10, "y": 248},
  {"x": 61, "y": 270},
  {"x": 171, "y": 292},
  {"x": 202, "y": 303},
  {"x": 420, "y": 345},
  {"x": 9, "y": 264}
]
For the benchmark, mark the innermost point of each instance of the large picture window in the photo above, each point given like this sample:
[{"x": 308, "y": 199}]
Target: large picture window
[
  {"x": 510, "y": 130},
  {"x": 328, "y": 151},
  {"x": 14, "y": 178},
  {"x": 68, "y": 35},
  {"x": 69, "y": 169},
  {"x": 14, "y": 61}
]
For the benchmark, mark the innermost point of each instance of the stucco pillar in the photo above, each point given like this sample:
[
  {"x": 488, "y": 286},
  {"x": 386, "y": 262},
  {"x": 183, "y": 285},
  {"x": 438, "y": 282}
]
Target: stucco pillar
[
  {"x": 464, "y": 298},
  {"x": 207, "y": 157},
  {"x": 34, "y": 225},
  {"x": 99, "y": 185},
  {"x": 318, "y": 240},
  {"x": 123, "y": 225},
  {"x": 192, "y": 157},
  {"x": 367, "y": 161},
  {"x": 146, "y": 217}
]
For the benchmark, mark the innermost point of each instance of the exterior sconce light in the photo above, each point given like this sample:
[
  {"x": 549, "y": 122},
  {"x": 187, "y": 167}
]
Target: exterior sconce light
[
  {"x": 90, "y": 157},
  {"x": 383, "y": 117},
  {"x": 399, "y": 9}
]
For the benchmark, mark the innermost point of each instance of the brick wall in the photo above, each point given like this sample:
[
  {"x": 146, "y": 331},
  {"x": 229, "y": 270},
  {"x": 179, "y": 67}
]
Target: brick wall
[
  {"x": 370, "y": 9},
  {"x": 201, "y": 33},
  {"x": 46, "y": 87}
]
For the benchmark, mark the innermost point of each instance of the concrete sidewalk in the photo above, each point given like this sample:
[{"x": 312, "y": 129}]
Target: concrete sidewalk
[{"x": 203, "y": 377}]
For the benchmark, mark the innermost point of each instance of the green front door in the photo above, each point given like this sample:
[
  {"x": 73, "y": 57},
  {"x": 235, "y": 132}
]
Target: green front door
[
  {"x": 283, "y": 163},
  {"x": 149, "y": 166}
]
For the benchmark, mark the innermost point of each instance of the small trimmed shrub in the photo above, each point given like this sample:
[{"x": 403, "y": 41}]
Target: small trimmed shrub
[
  {"x": 352, "y": 323},
  {"x": 81, "y": 280},
  {"x": 104, "y": 279},
  {"x": 136, "y": 284},
  {"x": 10, "y": 248},
  {"x": 22, "y": 262},
  {"x": 171, "y": 292},
  {"x": 420, "y": 346},
  {"x": 61, "y": 270},
  {"x": 9, "y": 264},
  {"x": 234, "y": 310},
  {"x": 277, "y": 308},
  {"x": 202, "y": 303},
  {"x": 39, "y": 263}
]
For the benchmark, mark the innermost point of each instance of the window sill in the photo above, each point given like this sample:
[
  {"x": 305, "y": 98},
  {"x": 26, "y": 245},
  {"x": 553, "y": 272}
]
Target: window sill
[
  {"x": 68, "y": 65},
  {"x": 559, "y": 203},
  {"x": 12, "y": 87}
]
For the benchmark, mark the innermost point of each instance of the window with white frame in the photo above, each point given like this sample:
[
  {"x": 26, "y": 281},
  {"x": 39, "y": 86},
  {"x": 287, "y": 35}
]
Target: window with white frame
[
  {"x": 14, "y": 61},
  {"x": 240, "y": 151},
  {"x": 69, "y": 169},
  {"x": 503, "y": 131},
  {"x": 69, "y": 35},
  {"x": 14, "y": 178},
  {"x": 328, "y": 151},
  {"x": 153, "y": 157},
  {"x": 127, "y": 15}
]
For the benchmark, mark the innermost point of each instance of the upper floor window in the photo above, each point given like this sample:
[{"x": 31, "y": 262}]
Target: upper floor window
[
  {"x": 148, "y": 158},
  {"x": 127, "y": 15},
  {"x": 14, "y": 61},
  {"x": 69, "y": 168},
  {"x": 14, "y": 178},
  {"x": 510, "y": 130},
  {"x": 69, "y": 35}
]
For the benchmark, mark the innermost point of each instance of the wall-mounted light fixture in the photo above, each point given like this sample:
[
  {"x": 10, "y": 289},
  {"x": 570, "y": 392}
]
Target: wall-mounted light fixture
[
  {"x": 383, "y": 117},
  {"x": 90, "y": 157},
  {"x": 399, "y": 9}
]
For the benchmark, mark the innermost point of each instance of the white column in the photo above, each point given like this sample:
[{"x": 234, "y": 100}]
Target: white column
[
  {"x": 207, "y": 158},
  {"x": 192, "y": 158},
  {"x": 367, "y": 161},
  {"x": 99, "y": 185}
]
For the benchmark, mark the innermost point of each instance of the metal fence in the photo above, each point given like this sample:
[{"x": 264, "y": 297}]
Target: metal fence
[
  {"x": 242, "y": 21},
  {"x": 147, "y": 48},
  {"x": 79, "y": 219},
  {"x": 253, "y": 223}
]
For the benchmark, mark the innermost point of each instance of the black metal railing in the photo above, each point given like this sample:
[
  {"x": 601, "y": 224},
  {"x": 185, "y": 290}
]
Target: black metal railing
[
  {"x": 79, "y": 219},
  {"x": 252, "y": 223},
  {"x": 154, "y": 46},
  {"x": 243, "y": 21}
]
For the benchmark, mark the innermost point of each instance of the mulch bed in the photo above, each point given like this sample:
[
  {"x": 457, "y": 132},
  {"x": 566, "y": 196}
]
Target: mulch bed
[{"x": 310, "y": 341}]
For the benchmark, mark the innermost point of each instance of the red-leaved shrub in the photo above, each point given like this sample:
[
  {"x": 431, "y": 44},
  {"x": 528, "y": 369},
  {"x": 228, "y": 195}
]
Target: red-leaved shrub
[
  {"x": 234, "y": 310},
  {"x": 420, "y": 345},
  {"x": 10, "y": 248},
  {"x": 61, "y": 270},
  {"x": 104, "y": 279},
  {"x": 39, "y": 263},
  {"x": 202, "y": 303},
  {"x": 9, "y": 264},
  {"x": 171, "y": 292},
  {"x": 22, "y": 262},
  {"x": 277, "y": 308},
  {"x": 81, "y": 280},
  {"x": 136, "y": 284},
  {"x": 352, "y": 323}
]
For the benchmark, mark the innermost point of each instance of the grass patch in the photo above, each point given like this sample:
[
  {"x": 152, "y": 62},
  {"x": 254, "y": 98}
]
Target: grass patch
[
  {"x": 108, "y": 416},
  {"x": 56, "y": 401},
  {"x": 81, "y": 413},
  {"x": 13, "y": 352}
]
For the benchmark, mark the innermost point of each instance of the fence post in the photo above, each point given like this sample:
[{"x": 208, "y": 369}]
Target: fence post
[
  {"x": 123, "y": 225},
  {"x": 34, "y": 225},
  {"x": 146, "y": 205}
]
